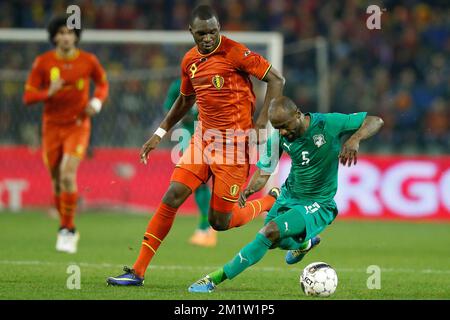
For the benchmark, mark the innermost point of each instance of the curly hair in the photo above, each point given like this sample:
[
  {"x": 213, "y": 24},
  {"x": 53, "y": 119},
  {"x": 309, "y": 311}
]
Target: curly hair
[{"x": 55, "y": 24}]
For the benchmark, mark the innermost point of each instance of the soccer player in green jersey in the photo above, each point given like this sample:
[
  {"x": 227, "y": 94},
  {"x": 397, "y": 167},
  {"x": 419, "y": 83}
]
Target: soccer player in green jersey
[
  {"x": 305, "y": 206},
  {"x": 204, "y": 235}
]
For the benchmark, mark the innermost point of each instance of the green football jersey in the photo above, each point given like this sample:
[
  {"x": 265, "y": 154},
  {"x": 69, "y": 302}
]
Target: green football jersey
[{"x": 313, "y": 174}]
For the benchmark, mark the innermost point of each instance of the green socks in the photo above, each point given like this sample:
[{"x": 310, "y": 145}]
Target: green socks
[
  {"x": 218, "y": 276},
  {"x": 251, "y": 254},
  {"x": 248, "y": 256},
  {"x": 202, "y": 198}
]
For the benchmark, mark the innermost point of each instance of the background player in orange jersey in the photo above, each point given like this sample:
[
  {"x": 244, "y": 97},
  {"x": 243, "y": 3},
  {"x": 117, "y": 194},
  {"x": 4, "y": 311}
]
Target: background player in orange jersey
[
  {"x": 215, "y": 74},
  {"x": 60, "y": 78}
]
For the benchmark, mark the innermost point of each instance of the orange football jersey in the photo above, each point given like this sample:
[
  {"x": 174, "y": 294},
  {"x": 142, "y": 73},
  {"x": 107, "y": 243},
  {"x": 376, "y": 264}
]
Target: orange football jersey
[
  {"x": 221, "y": 82},
  {"x": 68, "y": 104}
]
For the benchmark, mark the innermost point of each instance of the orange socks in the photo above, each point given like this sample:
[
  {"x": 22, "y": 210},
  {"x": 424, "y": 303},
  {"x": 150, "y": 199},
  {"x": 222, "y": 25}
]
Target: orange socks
[
  {"x": 164, "y": 216},
  {"x": 252, "y": 209},
  {"x": 157, "y": 230},
  {"x": 57, "y": 200},
  {"x": 68, "y": 204}
]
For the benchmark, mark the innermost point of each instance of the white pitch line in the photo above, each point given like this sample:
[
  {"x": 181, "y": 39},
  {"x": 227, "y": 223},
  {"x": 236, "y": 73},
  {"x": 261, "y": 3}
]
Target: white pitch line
[{"x": 202, "y": 268}]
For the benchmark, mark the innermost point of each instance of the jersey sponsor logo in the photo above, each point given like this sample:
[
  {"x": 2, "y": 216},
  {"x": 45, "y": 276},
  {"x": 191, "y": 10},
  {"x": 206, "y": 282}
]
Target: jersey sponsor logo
[
  {"x": 193, "y": 70},
  {"x": 319, "y": 140},
  {"x": 218, "y": 82},
  {"x": 234, "y": 189},
  {"x": 247, "y": 53},
  {"x": 54, "y": 74},
  {"x": 288, "y": 146},
  {"x": 80, "y": 84}
]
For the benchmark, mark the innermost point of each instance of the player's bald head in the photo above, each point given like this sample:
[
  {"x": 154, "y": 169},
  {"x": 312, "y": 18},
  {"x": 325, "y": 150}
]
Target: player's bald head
[
  {"x": 281, "y": 110},
  {"x": 286, "y": 117}
]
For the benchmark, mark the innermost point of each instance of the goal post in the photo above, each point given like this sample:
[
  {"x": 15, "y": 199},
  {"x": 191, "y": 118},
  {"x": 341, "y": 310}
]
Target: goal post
[
  {"x": 320, "y": 46},
  {"x": 273, "y": 40}
]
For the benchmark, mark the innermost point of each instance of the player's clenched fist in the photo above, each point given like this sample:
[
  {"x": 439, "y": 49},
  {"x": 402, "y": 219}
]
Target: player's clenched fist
[
  {"x": 243, "y": 197},
  {"x": 55, "y": 86},
  {"x": 349, "y": 152},
  {"x": 149, "y": 146}
]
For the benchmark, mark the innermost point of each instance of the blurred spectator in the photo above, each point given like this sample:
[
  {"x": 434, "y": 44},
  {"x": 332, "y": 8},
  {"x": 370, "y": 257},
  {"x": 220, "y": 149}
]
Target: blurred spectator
[{"x": 437, "y": 125}]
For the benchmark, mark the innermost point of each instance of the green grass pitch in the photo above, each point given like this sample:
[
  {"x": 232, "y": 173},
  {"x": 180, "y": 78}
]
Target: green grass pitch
[{"x": 414, "y": 260}]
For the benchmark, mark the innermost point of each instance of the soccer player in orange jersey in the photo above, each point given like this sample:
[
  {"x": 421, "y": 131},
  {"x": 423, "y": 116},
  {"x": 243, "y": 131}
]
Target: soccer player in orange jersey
[
  {"x": 60, "y": 79},
  {"x": 216, "y": 74}
]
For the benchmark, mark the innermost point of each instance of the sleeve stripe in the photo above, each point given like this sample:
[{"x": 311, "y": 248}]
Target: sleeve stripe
[
  {"x": 265, "y": 73},
  {"x": 231, "y": 200},
  {"x": 187, "y": 95},
  {"x": 30, "y": 88}
]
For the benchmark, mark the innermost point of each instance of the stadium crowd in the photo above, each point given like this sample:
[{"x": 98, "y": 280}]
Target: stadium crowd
[{"x": 400, "y": 72}]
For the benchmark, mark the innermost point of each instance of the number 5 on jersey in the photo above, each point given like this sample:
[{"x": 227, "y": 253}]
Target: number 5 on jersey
[{"x": 305, "y": 158}]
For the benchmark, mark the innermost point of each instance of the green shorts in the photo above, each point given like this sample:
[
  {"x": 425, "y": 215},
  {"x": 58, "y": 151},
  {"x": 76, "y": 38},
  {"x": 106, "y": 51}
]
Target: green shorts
[{"x": 302, "y": 219}]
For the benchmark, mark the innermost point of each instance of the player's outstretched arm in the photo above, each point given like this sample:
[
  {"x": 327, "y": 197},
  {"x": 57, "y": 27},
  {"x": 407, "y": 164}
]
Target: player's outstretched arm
[
  {"x": 275, "y": 84},
  {"x": 257, "y": 182},
  {"x": 180, "y": 107},
  {"x": 369, "y": 127}
]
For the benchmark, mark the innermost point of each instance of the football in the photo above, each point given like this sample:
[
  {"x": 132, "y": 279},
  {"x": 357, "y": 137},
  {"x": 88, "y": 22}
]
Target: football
[{"x": 318, "y": 279}]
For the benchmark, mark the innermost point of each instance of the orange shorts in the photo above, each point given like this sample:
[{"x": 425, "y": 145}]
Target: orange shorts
[
  {"x": 227, "y": 179},
  {"x": 58, "y": 139}
]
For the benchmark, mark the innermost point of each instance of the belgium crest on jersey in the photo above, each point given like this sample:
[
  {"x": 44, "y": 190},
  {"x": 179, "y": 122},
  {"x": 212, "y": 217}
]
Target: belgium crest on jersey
[
  {"x": 218, "y": 82},
  {"x": 234, "y": 189},
  {"x": 319, "y": 140}
]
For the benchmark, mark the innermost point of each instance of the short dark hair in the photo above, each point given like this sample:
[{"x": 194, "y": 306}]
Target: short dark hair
[
  {"x": 56, "y": 23},
  {"x": 203, "y": 12}
]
